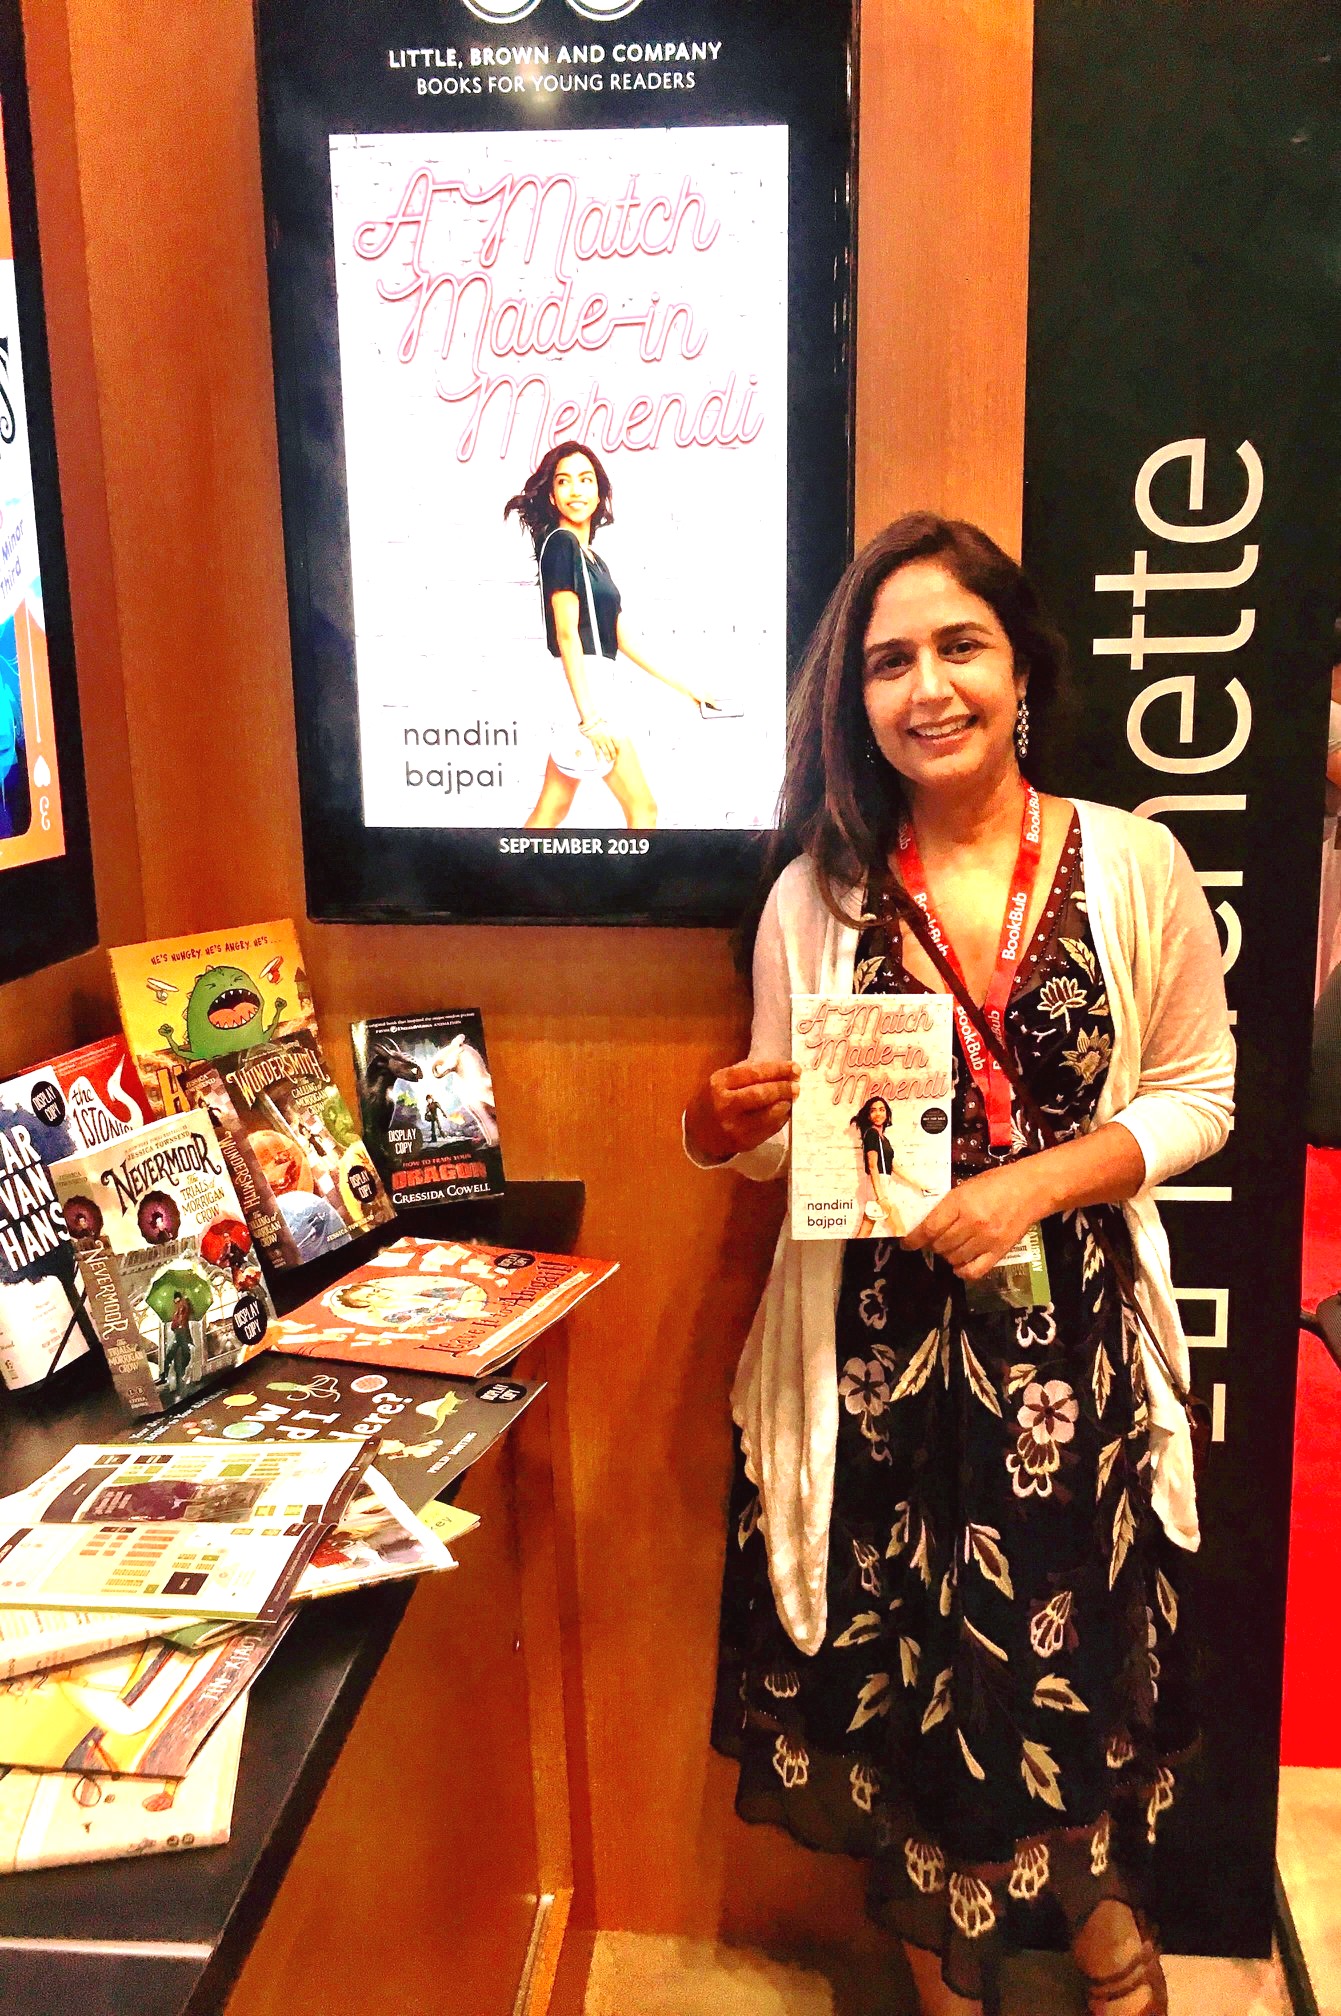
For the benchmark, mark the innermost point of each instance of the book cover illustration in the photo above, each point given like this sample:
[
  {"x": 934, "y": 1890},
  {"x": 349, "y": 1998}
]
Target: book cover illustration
[
  {"x": 432, "y": 1305},
  {"x": 427, "y": 1099},
  {"x": 431, "y": 1428},
  {"x": 78, "y": 1100},
  {"x": 167, "y": 1258},
  {"x": 870, "y": 1129},
  {"x": 44, "y": 1323},
  {"x": 279, "y": 1107},
  {"x": 142, "y": 1712},
  {"x": 50, "y": 1819},
  {"x": 188, "y": 1530},
  {"x": 189, "y": 1000}
]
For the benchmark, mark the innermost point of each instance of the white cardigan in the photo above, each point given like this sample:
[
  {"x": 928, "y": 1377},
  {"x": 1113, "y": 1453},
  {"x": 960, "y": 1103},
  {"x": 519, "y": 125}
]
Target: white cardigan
[{"x": 1170, "y": 1082}]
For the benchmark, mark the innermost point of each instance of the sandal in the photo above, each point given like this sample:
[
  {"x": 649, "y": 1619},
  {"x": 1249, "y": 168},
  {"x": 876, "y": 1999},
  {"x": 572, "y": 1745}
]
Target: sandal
[{"x": 1144, "y": 1971}]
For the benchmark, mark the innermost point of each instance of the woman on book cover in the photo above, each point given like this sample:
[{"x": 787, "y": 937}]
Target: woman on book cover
[
  {"x": 882, "y": 1208},
  {"x": 955, "y": 1630},
  {"x": 563, "y": 503}
]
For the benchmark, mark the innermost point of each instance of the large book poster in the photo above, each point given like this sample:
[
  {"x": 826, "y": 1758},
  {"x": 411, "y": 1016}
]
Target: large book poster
[
  {"x": 47, "y": 906},
  {"x": 561, "y": 314}
]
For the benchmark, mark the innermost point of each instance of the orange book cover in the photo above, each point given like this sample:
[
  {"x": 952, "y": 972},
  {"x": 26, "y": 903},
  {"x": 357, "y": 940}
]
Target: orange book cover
[{"x": 430, "y": 1305}]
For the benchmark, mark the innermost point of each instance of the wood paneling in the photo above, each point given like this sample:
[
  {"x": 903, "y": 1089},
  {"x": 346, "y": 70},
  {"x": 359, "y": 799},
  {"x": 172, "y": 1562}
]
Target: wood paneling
[{"x": 596, "y": 1035}]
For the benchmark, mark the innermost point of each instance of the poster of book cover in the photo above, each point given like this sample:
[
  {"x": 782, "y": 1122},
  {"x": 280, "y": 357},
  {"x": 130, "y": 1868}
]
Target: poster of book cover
[
  {"x": 571, "y": 292},
  {"x": 172, "y": 1275},
  {"x": 427, "y": 1097},
  {"x": 870, "y": 1129},
  {"x": 434, "y": 1305}
]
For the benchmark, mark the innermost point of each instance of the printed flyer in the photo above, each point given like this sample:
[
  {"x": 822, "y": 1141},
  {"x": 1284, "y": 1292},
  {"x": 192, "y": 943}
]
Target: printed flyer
[
  {"x": 870, "y": 1129},
  {"x": 430, "y": 1428},
  {"x": 51, "y": 1819},
  {"x": 181, "y": 1530}
]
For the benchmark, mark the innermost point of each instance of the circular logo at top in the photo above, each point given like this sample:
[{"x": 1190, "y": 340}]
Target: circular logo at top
[
  {"x": 604, "y": 10},
  {"x": 499, "y": 13}
]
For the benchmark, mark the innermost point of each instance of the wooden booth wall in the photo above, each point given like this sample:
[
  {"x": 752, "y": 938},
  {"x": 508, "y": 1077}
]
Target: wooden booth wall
[{"x": 149, "y": 184}]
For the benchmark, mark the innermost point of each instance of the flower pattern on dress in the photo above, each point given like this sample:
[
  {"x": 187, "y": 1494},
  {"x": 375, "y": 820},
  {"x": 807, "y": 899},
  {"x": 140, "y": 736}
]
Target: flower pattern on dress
[
  {"x": 1161, "y": 1798},
  {"x": 1030, "y": 1871},
  {"x": 962, "y": 1646},
  {"x": 791, "y": 1761},
  {"x": 972, "y": 1906},
  {"x": 864, "y": 1781},
  {"x": 925, "y": 1863}
]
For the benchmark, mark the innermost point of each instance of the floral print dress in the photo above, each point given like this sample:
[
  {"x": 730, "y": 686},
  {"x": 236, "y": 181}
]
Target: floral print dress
[{"x": 996, "y": 1711}]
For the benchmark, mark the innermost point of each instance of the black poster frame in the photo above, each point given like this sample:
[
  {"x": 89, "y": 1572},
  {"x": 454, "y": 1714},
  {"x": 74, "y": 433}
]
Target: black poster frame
[
  {"x": 1183, "y": 306},
  {"x": 48, "y": 909},
  {"x": 793, "y": 62}
]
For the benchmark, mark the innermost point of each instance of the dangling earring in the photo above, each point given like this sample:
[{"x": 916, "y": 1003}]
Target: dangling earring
[{"x": 1022, "y": 728}]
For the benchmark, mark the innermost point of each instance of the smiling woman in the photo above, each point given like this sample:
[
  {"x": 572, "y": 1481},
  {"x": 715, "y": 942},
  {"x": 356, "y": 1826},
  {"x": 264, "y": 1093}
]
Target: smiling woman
[{"x": 964, "y": 1498}]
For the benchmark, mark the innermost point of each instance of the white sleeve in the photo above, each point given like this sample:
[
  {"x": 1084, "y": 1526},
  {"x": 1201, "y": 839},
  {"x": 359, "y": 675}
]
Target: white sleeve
[
  {"x": 1184, "y": 1102},
  {"x": 770, "y": 1037}
]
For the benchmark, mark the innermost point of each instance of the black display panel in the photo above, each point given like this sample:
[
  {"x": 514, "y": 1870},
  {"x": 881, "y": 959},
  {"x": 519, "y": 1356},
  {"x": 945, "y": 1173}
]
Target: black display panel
[
  {"x": 1183, "y": 522},
  {"x": 496, "y": 228},
  {"x": 47, "y": 909}
]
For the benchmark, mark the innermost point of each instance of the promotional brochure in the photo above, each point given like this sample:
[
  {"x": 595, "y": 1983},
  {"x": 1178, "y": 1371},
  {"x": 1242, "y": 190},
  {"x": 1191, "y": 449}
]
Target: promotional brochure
[
  {"x": 32, "y": 1640},
  {"x": 378, "y": 1539},
  {"x": 193, "y": 1000},
  {"x": 142, "y": 1712},
  {"x": 173, "y": 1282},
  {"x": 430, "y": 1428},
  {"x": 49, "y": 1819},
  {"x": 427, "y": 1100},
  {"x": 430, "y": 1305},
  {"x": 870, "y": 1129},
  {"x": 185, "y": 1530}
]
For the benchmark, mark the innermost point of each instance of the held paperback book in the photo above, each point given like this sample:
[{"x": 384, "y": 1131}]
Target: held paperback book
[
  {"x": 166, "y": 1256},
  {"x": 440, "y": 1306},
  {"x": 427, "y": 1099},
  {"x": 870, "y": 1129}
]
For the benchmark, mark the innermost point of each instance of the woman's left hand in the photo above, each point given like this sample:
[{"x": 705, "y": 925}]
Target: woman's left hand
[{"x": 981, "y": 1219}]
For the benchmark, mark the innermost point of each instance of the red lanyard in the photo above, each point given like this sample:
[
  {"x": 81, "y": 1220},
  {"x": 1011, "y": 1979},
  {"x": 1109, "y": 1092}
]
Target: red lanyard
[{"x": 988, "y": 1075}]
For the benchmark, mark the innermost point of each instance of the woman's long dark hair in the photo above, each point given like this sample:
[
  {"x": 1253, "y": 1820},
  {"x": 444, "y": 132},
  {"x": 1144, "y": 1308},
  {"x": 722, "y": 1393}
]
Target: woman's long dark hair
[
  {"x": 840, "y": 800},
  {"x": 534, "y": 502}
]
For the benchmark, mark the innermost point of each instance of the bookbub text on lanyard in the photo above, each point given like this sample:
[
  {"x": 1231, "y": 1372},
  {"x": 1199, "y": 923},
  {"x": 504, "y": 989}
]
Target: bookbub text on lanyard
[{"x": 988, "y": 1075}]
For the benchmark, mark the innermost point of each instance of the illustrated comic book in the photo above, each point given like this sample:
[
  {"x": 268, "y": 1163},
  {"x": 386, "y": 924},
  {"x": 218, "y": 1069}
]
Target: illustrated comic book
[
  {"x": 437, "y": 1305},
  {"x": 870, "y": 1128},
  {"x": 44, "y": 1321},
  {"x": 191, "y": 1000},
  {"x": 427, "y": 1098},
  {"x": 166, "y": 1256},
  {"x": 280, "y": 1113},
  {"x": 431, "y": 1428},
  {"x": 50, "y": 1819}
]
